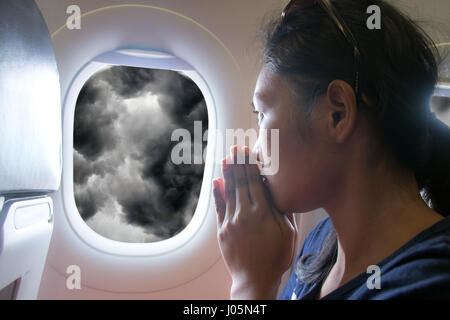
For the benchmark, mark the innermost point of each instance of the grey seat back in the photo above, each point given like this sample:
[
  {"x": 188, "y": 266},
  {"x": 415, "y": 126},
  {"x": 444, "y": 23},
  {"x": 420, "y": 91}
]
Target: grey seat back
[{"x": 30, "y": 146}]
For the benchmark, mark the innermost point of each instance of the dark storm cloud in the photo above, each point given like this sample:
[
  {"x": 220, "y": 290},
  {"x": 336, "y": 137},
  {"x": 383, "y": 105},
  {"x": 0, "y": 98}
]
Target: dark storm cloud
[
  {"x": 82, "y": 168},
  {"x": 87, "y": 205},
  {"x": 89, "y": 200},
  {"x": 93, "y": 127},
  {"x": 122, "y": 159},
  {"x": 129, "y": 82},
  {"x": 178, "y": 95}
]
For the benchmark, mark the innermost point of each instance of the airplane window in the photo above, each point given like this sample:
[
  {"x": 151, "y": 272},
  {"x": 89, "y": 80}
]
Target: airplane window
[
  {"x": 127, "y": 186},
  {"x": 441, "y": 107}
]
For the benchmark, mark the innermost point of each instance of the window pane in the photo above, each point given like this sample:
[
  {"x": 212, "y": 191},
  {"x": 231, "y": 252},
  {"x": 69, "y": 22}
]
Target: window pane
[
  {"x": 441, "y": 107},
  {"x": 126, "y": 186}
]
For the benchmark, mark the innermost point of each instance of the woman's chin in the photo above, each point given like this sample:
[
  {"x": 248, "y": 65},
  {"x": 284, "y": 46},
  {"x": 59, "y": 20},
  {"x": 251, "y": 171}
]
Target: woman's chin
[
  {"x": 276, "y": 195},
  {"x": 276, "y": 201}
]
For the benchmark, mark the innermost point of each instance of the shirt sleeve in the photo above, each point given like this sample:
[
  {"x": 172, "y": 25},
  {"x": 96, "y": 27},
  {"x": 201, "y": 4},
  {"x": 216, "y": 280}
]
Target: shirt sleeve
[{"x": 309, "y": 245}]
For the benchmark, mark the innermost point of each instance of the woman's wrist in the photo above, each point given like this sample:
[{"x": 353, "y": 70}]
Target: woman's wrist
[{"x": 247, "y": 290}]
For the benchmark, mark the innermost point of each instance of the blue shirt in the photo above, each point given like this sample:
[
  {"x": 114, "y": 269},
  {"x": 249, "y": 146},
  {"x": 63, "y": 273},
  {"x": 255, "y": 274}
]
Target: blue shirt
[{"x": 420, "y": 269}]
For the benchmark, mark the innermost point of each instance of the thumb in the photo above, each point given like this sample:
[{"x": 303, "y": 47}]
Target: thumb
[{"x": 219, "y": 200}]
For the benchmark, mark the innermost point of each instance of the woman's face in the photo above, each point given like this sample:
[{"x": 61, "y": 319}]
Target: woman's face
[{"x": 303, "y": 176}]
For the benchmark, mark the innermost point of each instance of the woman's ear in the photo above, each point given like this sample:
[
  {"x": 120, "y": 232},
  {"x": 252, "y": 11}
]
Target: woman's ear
[{"x": 342, "y": 110}]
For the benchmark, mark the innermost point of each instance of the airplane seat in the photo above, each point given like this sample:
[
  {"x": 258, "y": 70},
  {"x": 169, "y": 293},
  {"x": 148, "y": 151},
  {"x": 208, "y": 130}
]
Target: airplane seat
[{"x": 30, "y": 146}]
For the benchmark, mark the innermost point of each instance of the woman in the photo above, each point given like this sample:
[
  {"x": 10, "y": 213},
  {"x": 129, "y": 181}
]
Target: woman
[{"x": 357, "y": 138}]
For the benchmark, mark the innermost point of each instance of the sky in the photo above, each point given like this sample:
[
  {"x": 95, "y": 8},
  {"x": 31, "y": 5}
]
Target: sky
[{"x": 126, "y": 186}]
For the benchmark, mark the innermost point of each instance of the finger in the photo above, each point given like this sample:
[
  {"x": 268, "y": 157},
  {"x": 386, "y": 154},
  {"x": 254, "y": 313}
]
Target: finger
[
  {"x": 240, "y": 178},
  {"x": 219, "y": 202},
  {"x": 256, "y": 186},
  {"x": 222, "y": 188},
  {"x": 230, "y": 186}
]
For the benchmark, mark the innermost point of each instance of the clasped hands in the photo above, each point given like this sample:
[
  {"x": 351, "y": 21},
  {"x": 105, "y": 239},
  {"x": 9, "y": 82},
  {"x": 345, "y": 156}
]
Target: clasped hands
[{"x": 257, "y": 241}]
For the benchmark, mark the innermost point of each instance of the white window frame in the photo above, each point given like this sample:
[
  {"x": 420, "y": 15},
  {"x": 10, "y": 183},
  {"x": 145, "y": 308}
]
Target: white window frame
[
  {"x": 133, "y": 57},
  {"x": 442, "y": 89}
]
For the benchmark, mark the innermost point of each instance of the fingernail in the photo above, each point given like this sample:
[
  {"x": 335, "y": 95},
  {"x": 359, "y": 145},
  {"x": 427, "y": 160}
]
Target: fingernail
[{"x": 226, "y": 163}]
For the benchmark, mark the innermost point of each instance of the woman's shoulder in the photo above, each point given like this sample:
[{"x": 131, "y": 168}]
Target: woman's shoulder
[
  {"x": 427, "y": 251},
  {"x": 432, "y": 242},
  {"x": 419, "y": 269}
]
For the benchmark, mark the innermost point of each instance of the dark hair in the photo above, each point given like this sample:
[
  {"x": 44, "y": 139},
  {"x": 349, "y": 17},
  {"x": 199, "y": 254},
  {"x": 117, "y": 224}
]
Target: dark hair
[{"x": 399, "y": 70}]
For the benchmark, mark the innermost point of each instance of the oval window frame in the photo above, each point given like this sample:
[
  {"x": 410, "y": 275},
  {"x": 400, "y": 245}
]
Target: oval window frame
[{"x": 151, "y": 59}]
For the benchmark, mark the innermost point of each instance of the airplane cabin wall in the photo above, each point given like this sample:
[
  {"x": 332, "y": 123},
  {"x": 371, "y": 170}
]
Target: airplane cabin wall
[{"x": 236, "y": 24}]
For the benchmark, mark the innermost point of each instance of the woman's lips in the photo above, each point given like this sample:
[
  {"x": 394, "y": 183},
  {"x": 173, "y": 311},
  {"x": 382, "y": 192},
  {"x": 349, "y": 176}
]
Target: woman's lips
[
  {"x": 259, "y": 164},
  {"x": 260, "y": 167}
]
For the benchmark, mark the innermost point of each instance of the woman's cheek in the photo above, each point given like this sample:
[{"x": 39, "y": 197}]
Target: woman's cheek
[{"x": 265, "y": 145}]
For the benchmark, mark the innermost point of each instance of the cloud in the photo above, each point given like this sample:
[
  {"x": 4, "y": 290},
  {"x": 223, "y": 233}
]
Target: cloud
[
  {"x": 93, "y": 127},
  {"x": 126, "y": 186}
]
